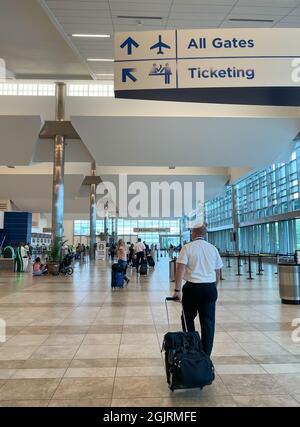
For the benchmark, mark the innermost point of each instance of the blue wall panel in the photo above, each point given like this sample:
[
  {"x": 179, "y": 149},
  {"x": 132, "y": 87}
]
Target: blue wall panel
[{"x": 17, "y": 227}]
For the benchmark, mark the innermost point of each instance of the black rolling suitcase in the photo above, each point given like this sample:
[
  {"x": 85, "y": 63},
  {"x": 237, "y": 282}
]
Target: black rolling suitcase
[
  {"x": 117, "y": 276},
  {"x": 187, "y": 366},
  {"x": 151, "y": 261},
  {"x": 143, "y": 267}
]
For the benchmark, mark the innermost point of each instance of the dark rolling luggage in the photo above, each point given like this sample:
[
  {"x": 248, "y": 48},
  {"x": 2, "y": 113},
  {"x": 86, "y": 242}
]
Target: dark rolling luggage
[
  {"x": 117, "y": 276},
  {"x": 143, "y": 267},
  {"x": 151, "y": 261},
  {"x": 187, "y": 366}
]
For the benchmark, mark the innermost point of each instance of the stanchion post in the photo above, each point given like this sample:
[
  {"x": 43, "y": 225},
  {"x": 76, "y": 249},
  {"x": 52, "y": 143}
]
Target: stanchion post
[
  {"x": 228, "y": 260},
  {"x": 250, "y": 271},
  {"x": 221, "y": 275},
  {"x": 258, "y": 273},
  {"x": 277, "y": 261},
  {"x": 239, "y": 265}
]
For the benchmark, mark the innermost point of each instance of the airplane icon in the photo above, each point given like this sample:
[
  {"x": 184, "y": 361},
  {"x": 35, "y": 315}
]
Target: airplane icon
[{"x": 160, "y": 45}]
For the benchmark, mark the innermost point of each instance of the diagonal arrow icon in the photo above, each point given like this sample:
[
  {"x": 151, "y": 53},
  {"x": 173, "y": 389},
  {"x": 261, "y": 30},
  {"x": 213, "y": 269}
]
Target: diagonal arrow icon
[
  {"x": 130, "y": 43},
  {"x": 126, "y": 73}
]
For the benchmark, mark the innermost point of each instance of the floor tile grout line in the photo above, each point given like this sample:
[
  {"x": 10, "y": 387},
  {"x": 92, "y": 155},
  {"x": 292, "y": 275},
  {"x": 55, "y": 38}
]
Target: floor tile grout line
[{"x": 116, "y": 367}]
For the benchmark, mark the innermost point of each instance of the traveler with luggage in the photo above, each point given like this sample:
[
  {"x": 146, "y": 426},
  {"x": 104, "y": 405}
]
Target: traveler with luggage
[
  {"x": 131, "y": 254},
  {"x": 147, "y": 249},
  {"x": 139, "y": 249},
  {"x": 122, "y": 257},
  {"x": 199, "y": 264}
]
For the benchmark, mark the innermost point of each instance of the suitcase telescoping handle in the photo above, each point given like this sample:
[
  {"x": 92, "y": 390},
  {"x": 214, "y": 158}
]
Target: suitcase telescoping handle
[{"x": 174, "y": 299}]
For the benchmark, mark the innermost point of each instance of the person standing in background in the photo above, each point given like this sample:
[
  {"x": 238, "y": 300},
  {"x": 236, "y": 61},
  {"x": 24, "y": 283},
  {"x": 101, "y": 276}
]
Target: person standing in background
[{"x": 139, "y": 249}]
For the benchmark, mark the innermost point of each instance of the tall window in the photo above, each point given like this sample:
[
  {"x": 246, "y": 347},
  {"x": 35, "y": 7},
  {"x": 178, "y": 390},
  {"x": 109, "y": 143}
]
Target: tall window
[
  {"x": 265, "y": 193},
  {"x": 272, "y": 191},
  {"x": 218, "y": 212}
]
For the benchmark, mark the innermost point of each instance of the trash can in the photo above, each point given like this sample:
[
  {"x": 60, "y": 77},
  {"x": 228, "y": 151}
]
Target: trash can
[
  {"x": 172, "y": 269},
  {"x": 289, "y": 283}
]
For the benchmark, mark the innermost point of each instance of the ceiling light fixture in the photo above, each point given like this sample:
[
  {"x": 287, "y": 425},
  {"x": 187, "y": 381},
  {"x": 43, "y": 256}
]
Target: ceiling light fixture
[
  {"x": 100, "y": 60},
  {"x": 139, "y": 17},
  {"x": 104, "y": 75},
  {"x": 97, "y": 36},
  {"x": 172, "y": 167},
  {"x": 250, "y": 20}
]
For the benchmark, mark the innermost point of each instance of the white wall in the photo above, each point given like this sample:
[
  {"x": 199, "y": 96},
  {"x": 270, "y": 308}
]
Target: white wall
[{"x": 68, "y": 231}]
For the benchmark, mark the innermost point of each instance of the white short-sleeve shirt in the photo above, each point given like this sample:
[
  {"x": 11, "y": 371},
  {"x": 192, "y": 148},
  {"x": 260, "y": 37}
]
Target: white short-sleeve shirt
[
  {"x": 139, "y": 247},
  {"x": 202, "y": 260}
]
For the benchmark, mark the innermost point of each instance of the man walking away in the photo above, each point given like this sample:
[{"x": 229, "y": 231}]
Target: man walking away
[
  {"x": 199, "y": 264},
  {"x": 139, "y": 249}
]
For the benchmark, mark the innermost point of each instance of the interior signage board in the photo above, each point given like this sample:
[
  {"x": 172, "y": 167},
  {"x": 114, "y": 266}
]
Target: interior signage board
[
  {"x": 246, "y": 66},
  {"x": 152, "y": 230}
]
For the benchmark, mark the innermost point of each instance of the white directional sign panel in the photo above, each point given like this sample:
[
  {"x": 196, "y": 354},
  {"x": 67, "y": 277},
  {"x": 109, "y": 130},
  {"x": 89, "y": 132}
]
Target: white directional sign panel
[
  {"x": 238, "y": 42},
  {"x": 208, "y": 58},
  {"x": 203, "y": 73}
]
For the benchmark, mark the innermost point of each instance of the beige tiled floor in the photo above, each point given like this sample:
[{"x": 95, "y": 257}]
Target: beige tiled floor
[{"x": 71, "y": 341}]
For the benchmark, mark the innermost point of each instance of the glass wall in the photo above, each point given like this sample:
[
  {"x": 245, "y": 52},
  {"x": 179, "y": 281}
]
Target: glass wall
[
  {"x": 82, "y": 228},
  {"x": 125, "y": 229},
  {"x": 262, "y": 195},
  {"x": 223, "y": 240},
  {"x": 272, "y": 191},
  {"x": 275, "y": 237},
  {"x": 218, "y": 212}
]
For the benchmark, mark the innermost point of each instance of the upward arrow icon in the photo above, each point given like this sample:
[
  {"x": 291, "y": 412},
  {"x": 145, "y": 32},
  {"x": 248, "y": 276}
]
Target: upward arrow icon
[{"x": 129, "y": 43}]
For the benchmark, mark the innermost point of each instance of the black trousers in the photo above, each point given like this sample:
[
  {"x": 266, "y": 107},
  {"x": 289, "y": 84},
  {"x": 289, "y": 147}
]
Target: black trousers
[
  {"x": 139, "y": 258},
  {"x": 200, "y": 298}
]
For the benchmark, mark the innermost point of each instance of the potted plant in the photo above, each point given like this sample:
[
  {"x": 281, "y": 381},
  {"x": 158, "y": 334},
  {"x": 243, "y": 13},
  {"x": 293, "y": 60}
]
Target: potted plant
[
  {"x": 102, "y": 237},
  {"x": 55, "y": 256}
]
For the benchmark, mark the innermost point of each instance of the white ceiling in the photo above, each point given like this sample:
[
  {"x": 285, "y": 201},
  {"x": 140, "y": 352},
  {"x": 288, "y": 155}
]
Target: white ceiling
[
  {"x": 36, "y": 42},
  {"x": 103, "y": 16},
  {"x": 15, "y": 187},
  {"x": 32, "y": 46},
  {"x": 188, "y": 141},
  {"x": 36, "y": 35},
  {"x": 32, "y": 193},
  {"x": 18, "y": 139}
]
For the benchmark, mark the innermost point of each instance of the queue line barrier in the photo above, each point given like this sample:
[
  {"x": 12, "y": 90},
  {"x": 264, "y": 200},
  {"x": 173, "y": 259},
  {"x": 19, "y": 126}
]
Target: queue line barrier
[{"x": 243, "y": 259}]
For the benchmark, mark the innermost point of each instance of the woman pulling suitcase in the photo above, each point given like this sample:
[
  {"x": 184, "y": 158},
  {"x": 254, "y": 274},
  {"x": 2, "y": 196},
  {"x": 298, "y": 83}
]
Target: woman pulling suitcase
[{"x": 122, "y": 257}]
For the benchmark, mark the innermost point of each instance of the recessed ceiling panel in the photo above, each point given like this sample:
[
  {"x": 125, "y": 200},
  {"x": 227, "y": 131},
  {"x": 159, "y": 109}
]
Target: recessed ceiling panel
[
  {"x": 185, "y": 141},
  {"x": 18, "y": 137}
]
